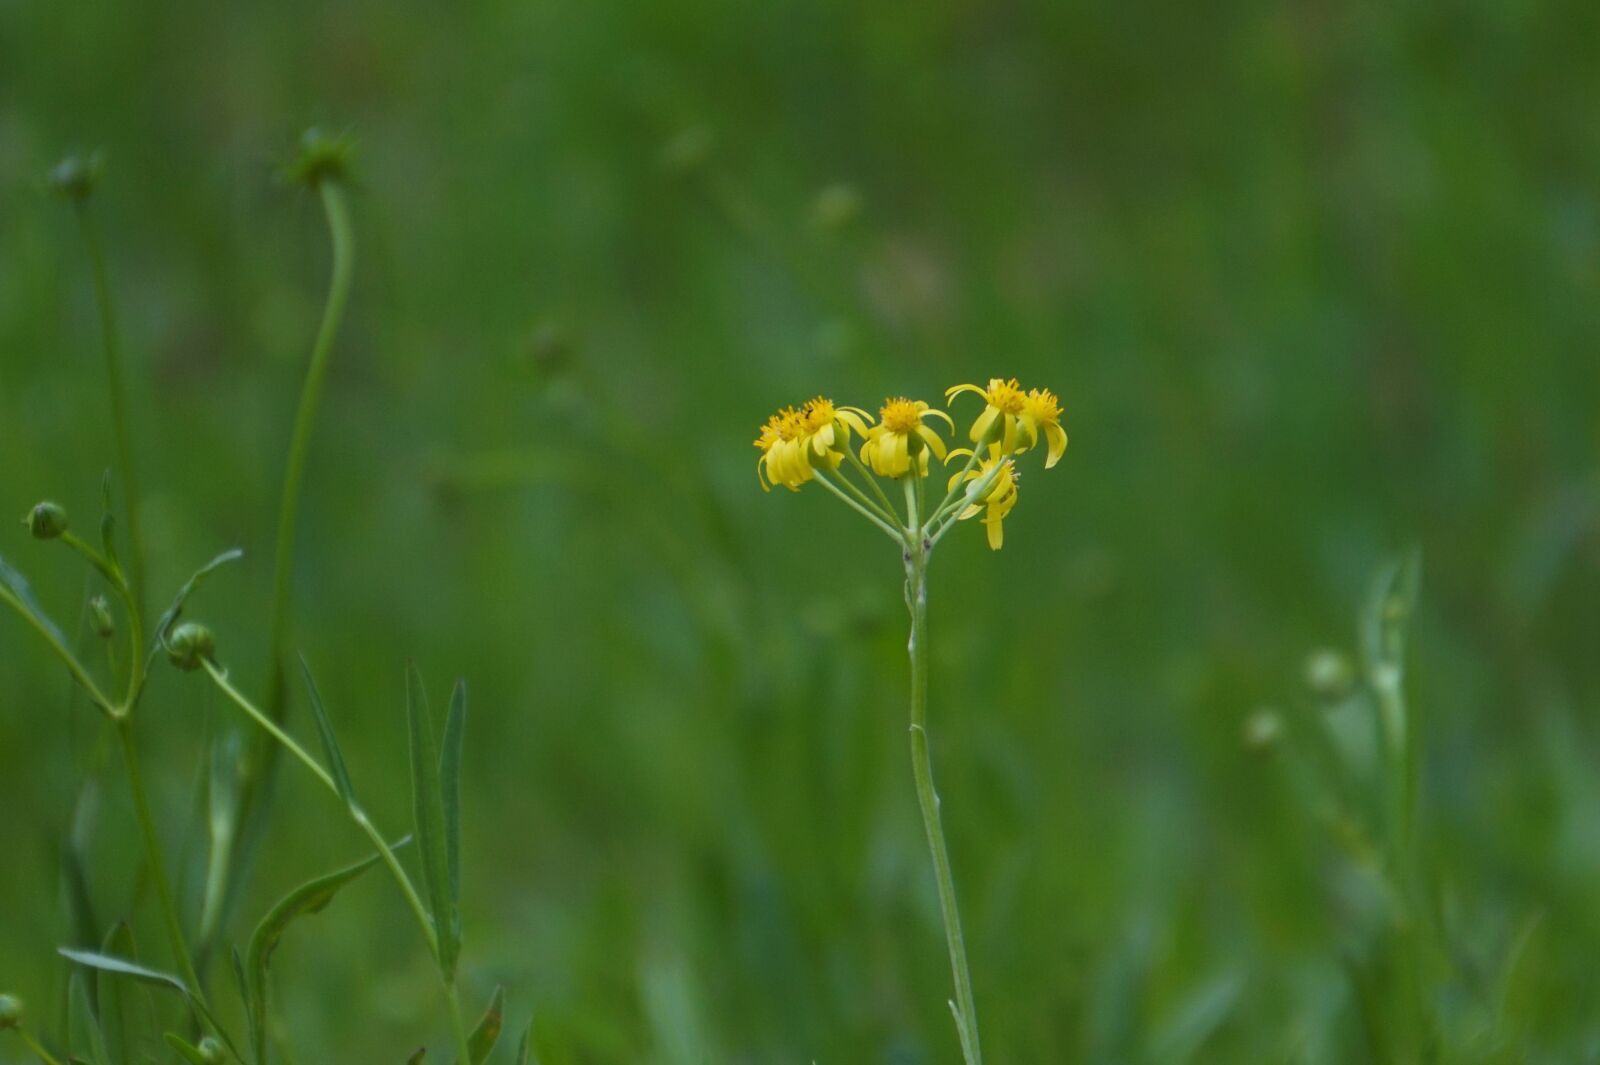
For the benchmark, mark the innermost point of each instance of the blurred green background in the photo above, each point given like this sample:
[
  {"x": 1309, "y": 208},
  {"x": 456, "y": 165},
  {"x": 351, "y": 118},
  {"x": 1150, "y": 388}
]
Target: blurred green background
[{"x": 1316, "y": 283}]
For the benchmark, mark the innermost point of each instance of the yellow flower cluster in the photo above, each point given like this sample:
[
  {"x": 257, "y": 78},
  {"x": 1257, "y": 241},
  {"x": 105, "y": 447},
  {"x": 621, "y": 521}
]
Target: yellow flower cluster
[{"x": 800, "y": 444}]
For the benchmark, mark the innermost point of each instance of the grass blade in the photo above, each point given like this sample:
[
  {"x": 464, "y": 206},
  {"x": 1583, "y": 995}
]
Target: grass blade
[
  {"x": 480, "y": 1044},
  {"x": 429, "y": 814},
  {"x": 450, "y": 797},
  {"x": 189, "y": 1052},
  {"x": 83, "y": 1028},
  {"x": 330, "y": 743},
  {"x": 106, "y": 963}
]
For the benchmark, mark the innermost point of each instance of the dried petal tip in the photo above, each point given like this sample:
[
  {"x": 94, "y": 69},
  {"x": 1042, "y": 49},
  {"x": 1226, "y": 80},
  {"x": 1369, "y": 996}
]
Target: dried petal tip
[
  {"x": 46, "y": 521},
  {"x": 10, "y": 1012},
  {"x": 190, "y": 644},
  {"x": 323, "y": 156},
  {"x": 76, "y": 176}
]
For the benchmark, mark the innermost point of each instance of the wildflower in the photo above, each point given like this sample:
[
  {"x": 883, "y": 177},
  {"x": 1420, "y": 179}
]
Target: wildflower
[
  {"x": 996, "y": 498},
  {"x": 901, "y": 437},
  {"x": 1001, "y": 419},
  {"x": 795, "y": 442},
  {"x": 189, "y": 645},
  {"x": 1041, "y": 410}
]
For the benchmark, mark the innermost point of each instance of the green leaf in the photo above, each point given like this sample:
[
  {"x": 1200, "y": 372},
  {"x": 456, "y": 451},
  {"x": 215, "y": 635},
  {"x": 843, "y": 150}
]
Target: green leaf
[
  {"x": 190, "y": 1053},
  {"x": 480, "y": 1044},
  {"x": 116, "y": 1001},
  {"x": 252, "y": 1008},
  {"x": 83, "y": 1027},
  {"x": 429, "y": 814},
  {"x": 222, "y": 807},
  {"x": 108, "y": 524},
  {"x": 416, "y": 1059},
  {"x": 173, "y": 612},
  {"x": 450, "y": 794},
  {"x": 122, "y": 967},
  {"x": 14, "y": 583},
  {"x": 330, "y": 744},
  {"x": 525, "y": 1055}
]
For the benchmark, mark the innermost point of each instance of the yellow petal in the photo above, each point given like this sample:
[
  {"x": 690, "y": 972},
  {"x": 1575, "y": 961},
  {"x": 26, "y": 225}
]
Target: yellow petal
[
  {"x": 1057, "y": 438},
  {"x": 955, "y": 390},
  {"x": 932, "y": 439}
]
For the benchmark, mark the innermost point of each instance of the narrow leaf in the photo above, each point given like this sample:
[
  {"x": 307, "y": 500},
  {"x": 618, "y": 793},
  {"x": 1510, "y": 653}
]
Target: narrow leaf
[
  {"x": 115, "y": 999},
  {"x": 222, "y": 807},
  {"x": 330, "y": 744},
  {"x": 311, "y": 897},
  {"x": 481, "y": 1043},
  {"x": 525, "y": 1055},
  {"x": 170, "y": 618},
  {"x": 190, "y": 1053},
  {"x": 83, "y": 1028},
  {"x": 122, "y": 967},
  {"x": 253, "y": 1008},
  {"x": 13, "y": 582},
  {"x": 429, "y": 813},
  {"x": 450, "y": 795}
]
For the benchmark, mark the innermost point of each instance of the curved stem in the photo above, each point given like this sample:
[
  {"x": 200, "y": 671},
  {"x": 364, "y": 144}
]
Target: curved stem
[
  {"x": 338, "y": 213},
  {"x": 891, "y": 531},
  {"x": 277, "y": 733},
  {"x": 928, "y": 800},
  {"x": 74, "y": 667},
  {"x": 115, "y": 382},
  {"x": 39, "y": 1051},
  {"x": 866, "y": 475}
]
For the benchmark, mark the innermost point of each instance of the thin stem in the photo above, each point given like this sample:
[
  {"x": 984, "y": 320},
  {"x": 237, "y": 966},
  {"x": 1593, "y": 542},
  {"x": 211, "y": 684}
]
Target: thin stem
[
  {"x": 158, "y": 865},
  {"x": 885, "y": 512},
  {"x": 889, "y": 530},
  {"x": 953, "y": 515},
  {"x": 74, "y": 667},
  {"x": 866, "y": 475},
  {"x": 364, "y": 823},
  {"x": 955, "y": 492},
  {"x": 339, "y": 228},
  {"x": 38, "y": 1050},
  {"x": 115, "y": 382},
  {"x": 963, "y": 1007},
  {"x": 269, "y": 725}
]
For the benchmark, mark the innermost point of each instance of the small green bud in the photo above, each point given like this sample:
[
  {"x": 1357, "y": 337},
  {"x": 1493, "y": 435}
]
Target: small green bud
[
  {"x": 1263, "y": 730},
  {"x": 323, "y": 156},
  {"x": 105, "y": 626},
  {"x": 76, "y": 176},
  {"x": 1329, "y": 674},
  {"x": 189, "y": 645},
  {"x": 10, "y": 1012},
  {"x": 836, "y": 206},
  {"x": 210, "y": 1050},
  {"x": 46, "y": 521}
]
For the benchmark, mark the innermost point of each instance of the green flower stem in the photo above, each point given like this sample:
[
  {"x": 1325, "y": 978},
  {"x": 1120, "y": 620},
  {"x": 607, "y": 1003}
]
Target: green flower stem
[
  {"x": 114, "y": 380},
  {"x": 952, "y": 497},
  {"x": 158, "y": 866},
  {"x": 916, "y": 562},
  {"x": 343, "y": 237},
  {"x": 885, "y": 511},
  {"x": 866, "y": 475},
  {"x": 889, "y": 530},
  {"x": 953, "y": 514},
  {"x": 74, "y": 667},
  {"x": 364, "y": 823},
  {"x": 39, "y": 1051}
]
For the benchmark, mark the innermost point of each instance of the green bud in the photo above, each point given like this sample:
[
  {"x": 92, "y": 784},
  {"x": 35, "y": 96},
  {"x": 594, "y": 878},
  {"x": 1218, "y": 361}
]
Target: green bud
[
  {"x": 10, "y": 1012},
  {"x": 210, "y": 1050},
  {"x": 1263, "y": 730},
  {"x": 189, "y": 644},
  {"x": 105, "y": 626},
  {"x": 322, "y": 157},
  {"x": 1329, "y": 674},
  {"x": 75, "y": 176},
  {"x": 46, "y": 521}
]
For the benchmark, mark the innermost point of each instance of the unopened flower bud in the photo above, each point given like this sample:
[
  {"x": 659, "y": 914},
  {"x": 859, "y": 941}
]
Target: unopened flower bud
[
  {"x": 46, "y": 521},
  {"x": 1329, "y": 674},
  {"x": 190, "y": 644},
  {"x": 210, "y": 1051},
  {"x": 75, "y": 176},
  {"x": 10, "y": 1012},
  {"x": 322, "y": 157},
  {"x": 105, "y": 626},
  {"x": 1263, "y": 730}
]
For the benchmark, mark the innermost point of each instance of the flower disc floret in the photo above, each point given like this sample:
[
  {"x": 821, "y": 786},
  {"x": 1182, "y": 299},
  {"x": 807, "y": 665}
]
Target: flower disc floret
[
  {"x": 795, "y": 442},
  {"x": 1041, "y": 412},
  {"x": 902, "y": 438}
]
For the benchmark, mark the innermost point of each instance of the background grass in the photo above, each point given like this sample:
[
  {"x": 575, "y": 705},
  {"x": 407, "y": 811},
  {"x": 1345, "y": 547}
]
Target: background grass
[{"x": 1315, "y": 282}]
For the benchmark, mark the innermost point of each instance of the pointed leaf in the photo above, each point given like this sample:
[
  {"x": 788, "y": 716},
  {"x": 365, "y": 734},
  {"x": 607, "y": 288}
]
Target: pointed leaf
[
  {"x": 429, "y": 813},
  {"x": 481, "y": 1043},
  {"x": 122, "y": 967},
  {"x": 253, "y": 1008},
  {"x": 15, "y": 586},
  {"x": 115, "y": 1000},
  {"x": 450, "y": 794},
  {"x": 311, "y": 897},
  {"x": 222, "y": 807},
  {"x": 170, "y": 618},
  {"x": 330, "y": 744},
  {"x": 525, "y": 1055},
  {"x": 190, "y": 1053}
]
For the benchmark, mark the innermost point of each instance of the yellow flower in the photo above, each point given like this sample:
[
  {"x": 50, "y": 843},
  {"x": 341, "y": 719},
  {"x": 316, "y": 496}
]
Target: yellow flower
[
  {"x": 1004, "y": 399},
  {"x": 900, "y": 438},
  {"x": 996, "y": 499},
  {"x": 1041, "y": 410},
  {"x": 794, "y": 442}
]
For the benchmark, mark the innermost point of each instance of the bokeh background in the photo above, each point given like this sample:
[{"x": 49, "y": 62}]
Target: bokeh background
[{"x": 1317, "y": 284}]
